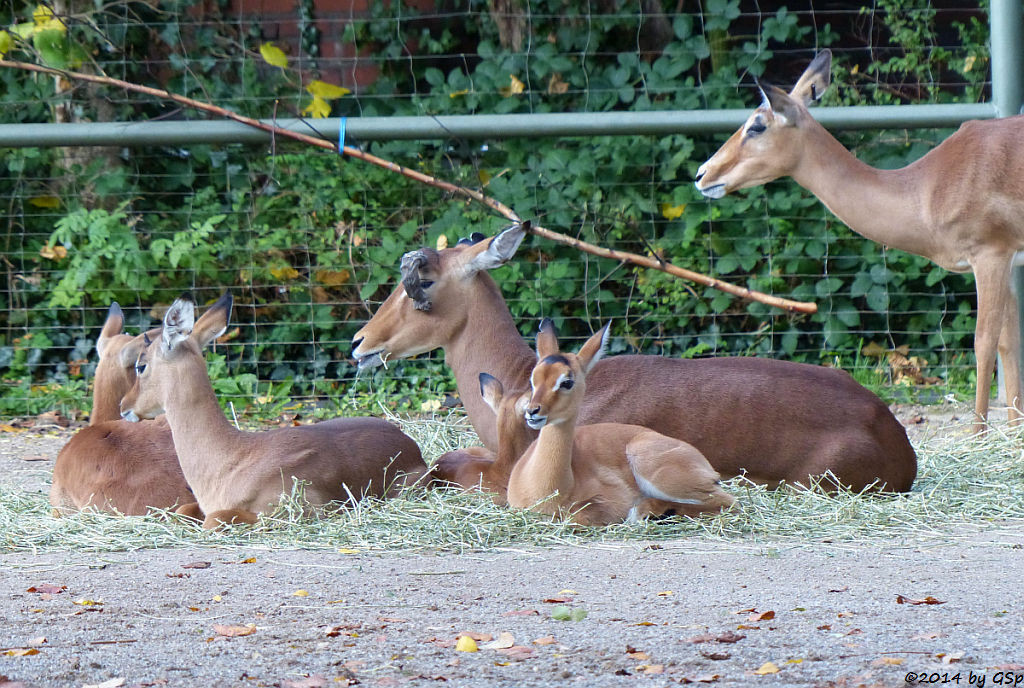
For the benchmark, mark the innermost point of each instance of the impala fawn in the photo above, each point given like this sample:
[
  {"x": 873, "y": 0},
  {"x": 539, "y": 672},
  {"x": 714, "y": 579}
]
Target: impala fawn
[
  {"x": 237, "y": 475},
  {"x": 114, "y": 465},
  {"x": 603, "y": 473},
  {"x": 960, "y": 205},
  {"x": 769, "y": 420}
]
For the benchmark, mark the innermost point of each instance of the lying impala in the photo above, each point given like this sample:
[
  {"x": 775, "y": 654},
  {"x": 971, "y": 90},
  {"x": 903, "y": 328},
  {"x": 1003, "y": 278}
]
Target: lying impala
[
  {"x": 771, "y": 420},
  {"x": 960, "y": 205},
  {"x": 601, "y": 473},
  {"x": 237, "y": 475},
  {"x": 479, "y": 466},
  {"x": 113, "y": 465}
]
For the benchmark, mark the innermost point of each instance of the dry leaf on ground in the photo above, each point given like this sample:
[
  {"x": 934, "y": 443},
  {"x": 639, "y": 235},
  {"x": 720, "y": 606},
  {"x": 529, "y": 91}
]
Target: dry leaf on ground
[{"x": 234, "y": 630}]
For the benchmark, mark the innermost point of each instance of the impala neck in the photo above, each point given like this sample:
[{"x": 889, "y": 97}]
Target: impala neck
[
  {"x": 487, "y": 342},
  {"x": 552, "y": 460},
  {"x": 881, "y": 205},
  {"x": 105, "y": 406},
  {"x": 203, "y": 438}
]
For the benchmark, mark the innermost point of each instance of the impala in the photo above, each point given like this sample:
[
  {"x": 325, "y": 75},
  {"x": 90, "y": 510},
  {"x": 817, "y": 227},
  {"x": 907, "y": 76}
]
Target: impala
[
  {"x": 237, "y": 475},
  {"x": 770, "y": 420},
  {"x": 960, "y": 205},
  {"x": 605, "y": 472},
  {"x": 114, "y": 465}
]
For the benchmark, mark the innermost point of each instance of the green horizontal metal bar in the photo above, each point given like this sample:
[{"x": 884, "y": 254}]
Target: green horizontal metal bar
[{"x": 663, "y": 122}]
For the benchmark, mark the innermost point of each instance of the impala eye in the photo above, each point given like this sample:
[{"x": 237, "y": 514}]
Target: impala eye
[
  {"x": 756, "y": 127},
  {"x": 566, "y": 384},
  {"x": 140, "y": 366},
  {"x": 426, "y": 284}
]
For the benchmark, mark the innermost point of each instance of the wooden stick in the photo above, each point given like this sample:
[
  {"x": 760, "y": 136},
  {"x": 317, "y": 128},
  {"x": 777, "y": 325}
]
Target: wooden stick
[{"x": 497, "y": 206}]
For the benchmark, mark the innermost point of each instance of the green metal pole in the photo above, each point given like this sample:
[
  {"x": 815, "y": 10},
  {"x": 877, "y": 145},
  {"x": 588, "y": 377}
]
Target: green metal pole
[{"x": 1006, "y": 23}]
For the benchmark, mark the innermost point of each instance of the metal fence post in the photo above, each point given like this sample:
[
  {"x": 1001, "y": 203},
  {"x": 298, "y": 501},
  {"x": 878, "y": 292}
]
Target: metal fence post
[{"x": 1005, "y": 26}]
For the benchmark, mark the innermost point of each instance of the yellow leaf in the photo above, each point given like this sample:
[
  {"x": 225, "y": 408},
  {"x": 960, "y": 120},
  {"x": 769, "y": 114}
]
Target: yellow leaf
[
  {"x": 250, "y": 560},
  {"x": 456, "y": 94},
  {"x": 794, "y": 661},
  {"x": 273, "y": 55},
  {"x": 442, "y": 242},
  {"x": 42, "y": 14},
  {"x": 6, "y": 43},
  {"x": 333, "y": 278},
  {"x": 432, "y": 405},
  {"x": 318, "y": 108},
  {"x": 45, "y": 201},
  {"x": 666, "y": 593},
  {"x": 466, "y": 644},
  {"x": 888, "y": 661},
  {"x": 345, "y": 550},
  {"x": 969, "y": 63},
  {"x": 300, "y": 593},
  {"x": 53, "y": 252},
  {"x": 88, "y": 603},
  {"x": 22, "y": 652},
  {"x": 515, "y": 87},
  {"x": 43, "y": 20},
  {"x": 672, "y": 212},
  {"x": 285, "y": 273},
  {"x": 217, "y": 598},
  {"x": 767, "y": 668},
  {"x": 484, "y": 176},
  {"x": 322, "y": 89}
]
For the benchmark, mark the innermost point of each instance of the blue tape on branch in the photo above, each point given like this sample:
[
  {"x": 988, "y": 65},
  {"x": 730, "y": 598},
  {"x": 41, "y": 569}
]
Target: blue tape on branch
[{"x": 341, "y": 136}]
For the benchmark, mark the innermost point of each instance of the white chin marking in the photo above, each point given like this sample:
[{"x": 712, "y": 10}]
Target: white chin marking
[
  {"x": 130, "y": 416},
  {"x": 536, "y": 423},
  {"x": 713, "y": 192},
  {"x": 369, "y": 361}
]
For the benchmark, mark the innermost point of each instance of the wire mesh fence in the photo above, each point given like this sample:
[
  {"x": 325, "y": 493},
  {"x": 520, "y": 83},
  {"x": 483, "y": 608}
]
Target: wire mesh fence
[{"x": 310, "y": 243}]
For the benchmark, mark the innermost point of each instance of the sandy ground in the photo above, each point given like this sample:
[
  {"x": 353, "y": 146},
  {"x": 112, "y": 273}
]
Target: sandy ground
[{"x": 720, "y": 614}]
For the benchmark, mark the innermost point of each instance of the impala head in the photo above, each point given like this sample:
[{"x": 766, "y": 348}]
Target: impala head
[
  {"x": 768, "y": 144},
  {"x": 168, "y": 360},
  {"x": 435, "y": 293},
  {"x": 115, "y": 372},
  {"x": 558, "y": 379}
]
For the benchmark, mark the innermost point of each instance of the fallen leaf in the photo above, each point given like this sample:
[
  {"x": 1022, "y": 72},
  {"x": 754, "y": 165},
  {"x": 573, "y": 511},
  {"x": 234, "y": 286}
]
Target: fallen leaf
[
  {"x": 762, "y": 616},
  {"x": 48, "y": 589},
  {"x": 300, "y": 593},
  {"x": 546, "y": 640},
  {"x": 638, "y": 655},
  {"x": 767, "y": 668},
  {"x": 505, "y": 640},
  {"x": 112, "y": 683},
  {"x": 563, "y": 613},
  {"x": 392, "y": 619},
  {"x": 702, "y": 638},
  {"x": 250, "y": 560},
  {"x": 87, "y": 603},
  {"x": 41, "y": 640},
  {"x": 825, "y": 627},
  {"x": 666, "y": 593},
  {"x": 345, "y": 550},
  {"x": 900, "y": 599},
  {"x": 950, "y": 657},
  {"x": 22, "y": 652},
  {"x": 35, "y": 457},
  {"x": 842, "y": 589},
  {"x": 652, "y": 668},
  {"x": 703, "y": 678},
  {"x": 794, "y": 661},
  {"x": 197, "y": 565},
  {"x": 557, "y": 600},
  {"x": 888, "y": 661},
  {"x": 522, "y": 612},
  {"x": 335, "y": 631},
  {"x": 715, "y": 656},
  {"x": 747, "y": 627},
  {"x": 466, "y": 644},
  {"x": 234, "y": 630}
]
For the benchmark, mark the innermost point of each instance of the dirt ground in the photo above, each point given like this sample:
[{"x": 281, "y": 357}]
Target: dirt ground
[{"x": 687, "y": 611}]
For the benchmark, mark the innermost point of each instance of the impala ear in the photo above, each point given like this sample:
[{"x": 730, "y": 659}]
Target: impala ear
[
  {"x": 593, "y": 349},
  {"x": 491, "y": 390},
  {"x": 547, "y": 342},
  {"x": 214, "y": 321},
  {"x": 179, "y": 320},
  {"x": 130, "y": 352},
  {"x": 112, "y": 326},
  {"x": 500, "y": 249},
  {"x": 815, "y": 79},
  {"x": 779, "y": 102}
]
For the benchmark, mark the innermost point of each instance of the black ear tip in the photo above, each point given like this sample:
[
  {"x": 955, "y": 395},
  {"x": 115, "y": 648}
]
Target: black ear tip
[
  {"x": 114, "y": 310},
  {"x": 187, "y": 296},
  {"x": 526, "y": 224},
  {"x": 485, "y": 377}
]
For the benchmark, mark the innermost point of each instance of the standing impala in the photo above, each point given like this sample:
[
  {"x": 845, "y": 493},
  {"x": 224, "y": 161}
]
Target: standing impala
[
  {"x": 114, "y": 465},
  {"x": 237, "y": 475},
  {"x": 601, "y": 473},
  {"x": 770, "y": 420},
  {"x": 961, "y": 205}
]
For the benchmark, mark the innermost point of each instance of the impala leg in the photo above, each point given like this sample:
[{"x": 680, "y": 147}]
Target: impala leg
[
  {"x": 1009, "y": 351},
  {"x": 992, "y": 279}
]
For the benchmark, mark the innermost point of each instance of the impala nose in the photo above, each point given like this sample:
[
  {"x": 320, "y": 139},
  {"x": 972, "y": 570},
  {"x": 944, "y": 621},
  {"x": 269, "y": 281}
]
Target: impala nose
[
  {"x": 700, "y": 175},
  {"x": 356, "y": 342}
]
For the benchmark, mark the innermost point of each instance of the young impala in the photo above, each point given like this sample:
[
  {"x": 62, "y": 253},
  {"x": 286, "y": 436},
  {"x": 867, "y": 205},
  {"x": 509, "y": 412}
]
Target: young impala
[
  {"x": 606, "y": 472},
  {"x": 960, "y": 205},
  {"x": 479, "y": 466},
  {"x": 114, "y": 465},
  {"x": 237, "y": 475},
  {"x": 770, "y": 420}
]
